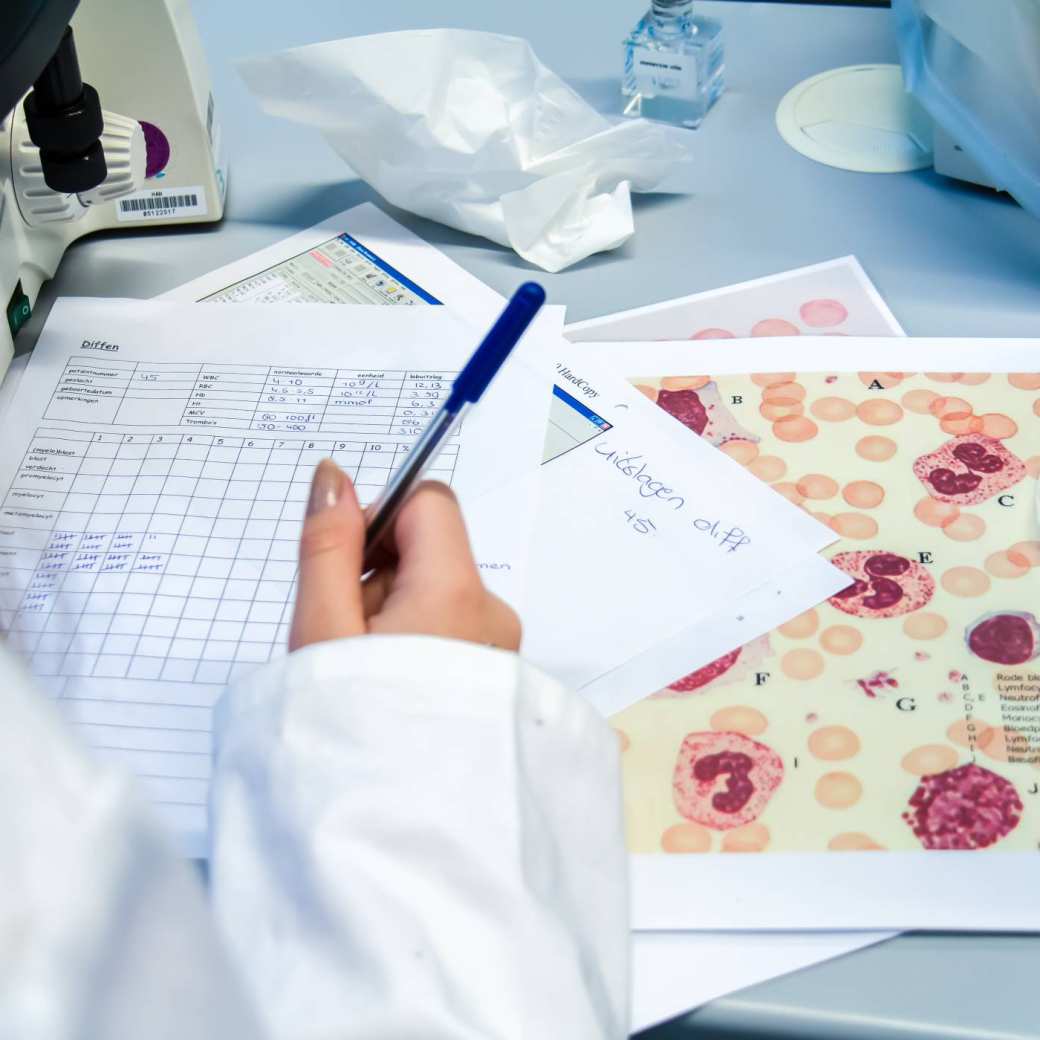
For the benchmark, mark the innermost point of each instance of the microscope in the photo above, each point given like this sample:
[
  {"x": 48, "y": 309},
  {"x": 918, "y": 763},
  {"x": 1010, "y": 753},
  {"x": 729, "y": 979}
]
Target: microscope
[{"x": 68, "y": 166}]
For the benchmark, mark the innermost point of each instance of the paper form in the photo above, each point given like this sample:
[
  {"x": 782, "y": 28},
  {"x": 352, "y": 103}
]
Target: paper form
[
  {"x": 798, "y": 588},
  {"x": 717, "y": 963},
  {"x": 680, "y": 535},
  {"x": 395, "y": 247},
  {"x": 361, "y": 256},
  {"x": 158, "y": 462}
]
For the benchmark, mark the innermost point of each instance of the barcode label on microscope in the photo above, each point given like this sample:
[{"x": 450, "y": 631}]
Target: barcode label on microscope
[{"x": 162, "y": 204}]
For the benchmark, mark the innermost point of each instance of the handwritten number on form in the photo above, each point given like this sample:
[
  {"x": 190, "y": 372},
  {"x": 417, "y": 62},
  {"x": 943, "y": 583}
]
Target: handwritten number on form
[{"x": 641, "y": 524}]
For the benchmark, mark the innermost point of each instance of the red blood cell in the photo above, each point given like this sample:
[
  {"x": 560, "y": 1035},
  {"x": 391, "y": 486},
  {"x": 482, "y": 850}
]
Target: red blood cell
[
  {"x": 968, "y": 470},
  {"x": 724, "y": 780},
  {"x": 885, "y": 584},
  {"x": 685, "y": 405},
  {"x": 710, "y": 672},
  {"x": 1012, "y": 637},
  {"x": 968, "y": 807}
]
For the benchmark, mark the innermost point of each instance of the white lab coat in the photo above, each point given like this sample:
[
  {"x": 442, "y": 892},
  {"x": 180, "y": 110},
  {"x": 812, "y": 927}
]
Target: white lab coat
[{"x": 411, "y": 838}]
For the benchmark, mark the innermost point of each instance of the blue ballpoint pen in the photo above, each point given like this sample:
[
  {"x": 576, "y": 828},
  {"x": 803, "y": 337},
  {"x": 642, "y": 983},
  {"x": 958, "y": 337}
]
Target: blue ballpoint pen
[{"x": 470, "y": 383}]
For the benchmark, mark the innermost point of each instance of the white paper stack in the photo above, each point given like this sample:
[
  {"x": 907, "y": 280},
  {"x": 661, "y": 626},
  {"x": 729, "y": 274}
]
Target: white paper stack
[
  {"x": 575, "y": 605},
  {"x": 642, "y": 559}
]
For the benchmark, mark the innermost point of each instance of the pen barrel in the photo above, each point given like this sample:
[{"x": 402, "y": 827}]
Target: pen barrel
[
  {"x": 380, "y": 514},
  {"x": 497, "y": 345}
]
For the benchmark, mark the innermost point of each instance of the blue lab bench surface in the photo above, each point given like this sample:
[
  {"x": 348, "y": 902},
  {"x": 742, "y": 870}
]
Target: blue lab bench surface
[{"x": 949, "y": 259}]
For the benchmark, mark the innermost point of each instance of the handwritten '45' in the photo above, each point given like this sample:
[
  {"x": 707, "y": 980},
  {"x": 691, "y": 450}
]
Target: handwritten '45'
[{"x": 640, "y": 524}]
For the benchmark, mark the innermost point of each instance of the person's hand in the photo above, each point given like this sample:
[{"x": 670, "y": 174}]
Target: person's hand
[{"x": 427, "y": 582}]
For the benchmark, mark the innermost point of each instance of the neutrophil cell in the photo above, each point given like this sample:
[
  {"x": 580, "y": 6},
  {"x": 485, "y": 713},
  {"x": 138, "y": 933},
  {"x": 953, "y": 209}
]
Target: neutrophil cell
[
  {"x": 724, "y": 780},
  {"x": 968, "y": 470}
]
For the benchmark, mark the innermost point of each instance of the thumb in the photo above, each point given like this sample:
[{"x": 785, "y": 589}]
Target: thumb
[{"x": 328, "y": 594}]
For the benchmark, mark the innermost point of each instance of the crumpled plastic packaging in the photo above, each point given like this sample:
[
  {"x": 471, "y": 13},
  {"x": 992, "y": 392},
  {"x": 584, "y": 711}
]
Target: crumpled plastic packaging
[
  {"x": 975, "y": 68},
  {"x": 470, "y": 129}
]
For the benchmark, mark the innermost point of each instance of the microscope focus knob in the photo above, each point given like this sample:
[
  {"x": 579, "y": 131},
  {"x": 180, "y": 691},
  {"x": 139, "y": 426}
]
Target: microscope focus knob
[
  {"x": 123, "y": 144},
  {"x": 126, "y": 155}
]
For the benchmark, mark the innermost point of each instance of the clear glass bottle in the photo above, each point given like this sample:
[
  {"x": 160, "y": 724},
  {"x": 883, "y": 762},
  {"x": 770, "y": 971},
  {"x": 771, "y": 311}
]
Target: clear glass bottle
[{"x": 673, "y": 64}]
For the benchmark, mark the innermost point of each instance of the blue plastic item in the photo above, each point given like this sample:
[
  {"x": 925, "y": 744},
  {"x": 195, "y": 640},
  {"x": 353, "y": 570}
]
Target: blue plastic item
[{"x": 974, "y": 65}]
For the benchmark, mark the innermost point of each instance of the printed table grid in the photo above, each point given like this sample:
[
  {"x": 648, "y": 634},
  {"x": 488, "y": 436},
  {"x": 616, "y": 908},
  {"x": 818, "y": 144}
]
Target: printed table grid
[
  {"x": 266, "y": 398},
  {"x": 166, "y": 557},
  {"x": 141, "y": 572}
]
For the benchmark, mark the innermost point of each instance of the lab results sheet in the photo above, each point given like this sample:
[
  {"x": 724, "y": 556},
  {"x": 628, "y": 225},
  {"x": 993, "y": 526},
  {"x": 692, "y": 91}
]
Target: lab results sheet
[
  {"x": 359, "y": 256},
  {"x": 159, "y": 460}
]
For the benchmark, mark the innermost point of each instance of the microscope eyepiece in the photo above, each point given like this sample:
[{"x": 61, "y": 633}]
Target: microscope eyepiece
[{"x": 64, "y": 120}]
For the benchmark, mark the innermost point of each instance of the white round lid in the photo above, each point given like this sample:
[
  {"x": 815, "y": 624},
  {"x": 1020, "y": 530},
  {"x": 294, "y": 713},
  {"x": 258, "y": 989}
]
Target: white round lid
[{"x": 857, "y": 118}]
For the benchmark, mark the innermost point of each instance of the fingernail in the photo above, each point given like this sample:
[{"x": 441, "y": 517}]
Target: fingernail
[{"x": 325, "y": 487}]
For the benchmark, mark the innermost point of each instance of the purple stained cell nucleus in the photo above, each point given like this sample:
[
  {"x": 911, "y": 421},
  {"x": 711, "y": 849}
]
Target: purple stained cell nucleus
[
  {"x": 967, "y": 807},
  {"x": 739, "y": 787},
  {"x": 1011, "y": 637},
  {"x": 706, "y": 674},
  {"x": 686, "y": 406},
  {"x": 885, "y": 593},
  {"x": 886, "y": 565}
]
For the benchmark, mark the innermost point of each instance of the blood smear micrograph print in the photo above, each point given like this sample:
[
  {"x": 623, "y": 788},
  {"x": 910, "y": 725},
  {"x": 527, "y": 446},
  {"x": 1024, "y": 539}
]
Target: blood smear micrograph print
[{"x": 903, "y": 714}]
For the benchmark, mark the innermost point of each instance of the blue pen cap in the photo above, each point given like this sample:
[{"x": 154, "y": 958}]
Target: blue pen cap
[{"x": 489, "y": 357}]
